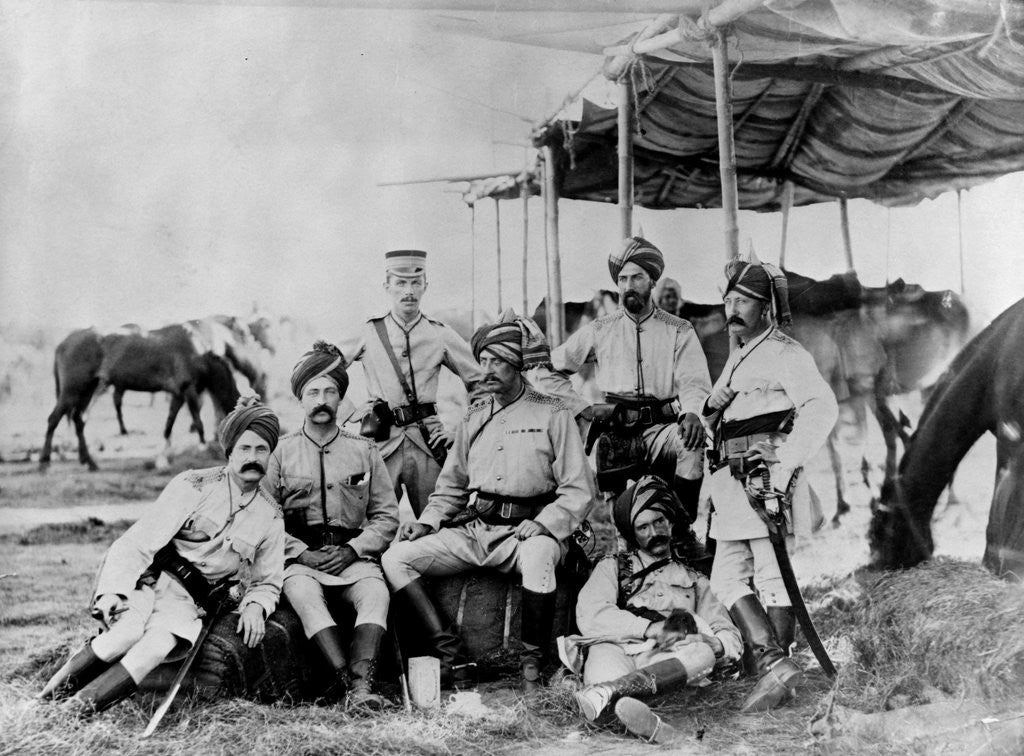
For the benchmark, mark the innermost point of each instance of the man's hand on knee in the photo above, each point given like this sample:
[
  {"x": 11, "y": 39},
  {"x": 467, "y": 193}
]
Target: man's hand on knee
[
  {"x": 251, "y": 625},
  {"x": 529, "y": 529},
  {"x": 413, "y": 530}
]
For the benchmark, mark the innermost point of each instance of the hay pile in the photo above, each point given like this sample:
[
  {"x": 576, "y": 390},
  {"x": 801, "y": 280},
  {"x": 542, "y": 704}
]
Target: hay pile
[{"x": 948, "y": 625}]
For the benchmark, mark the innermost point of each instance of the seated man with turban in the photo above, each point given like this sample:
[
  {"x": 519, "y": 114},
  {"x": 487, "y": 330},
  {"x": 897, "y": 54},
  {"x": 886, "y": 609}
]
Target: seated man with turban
[
  {"x": 648, "y": 621},
  {"x": 520, "y": 455},
  {"x": 161, "y": 576},
  {"x": 340, "y": 513},
  {"x": 652, "y": 369},
  {"x": 770, "y": 407}
]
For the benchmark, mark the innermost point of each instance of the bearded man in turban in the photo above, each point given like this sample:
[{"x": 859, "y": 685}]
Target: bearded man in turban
[
  {"x": 770, "y": 407},
  {"x": 649, "y": 622},
  {"x": 340, "y": 513},
  {"x": 520, "y": 454},
  {"x": 156, "y": 580},
  {"x": 652, "y": 369}
]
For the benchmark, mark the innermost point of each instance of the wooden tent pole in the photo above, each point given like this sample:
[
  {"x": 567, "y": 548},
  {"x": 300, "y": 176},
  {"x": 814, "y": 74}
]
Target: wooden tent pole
[
  {"x": 787, "y": 205},
  {"x": 844, "y": 220},
  {"x": 555, "y": 314},
  {"x": 472, "y": 267},
  {"x": 726, "y": 146},
  {"x": 497, "y": 246},
  {"x": 526, "y": 238},
  {"x": 960, "y": 235},
  {"x": 625, "y": 150}
]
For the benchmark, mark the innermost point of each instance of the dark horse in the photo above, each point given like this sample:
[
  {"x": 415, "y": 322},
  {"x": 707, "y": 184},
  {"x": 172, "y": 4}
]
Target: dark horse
[
  {"x": 166, "y": 359},
  {"x": 983, "y": 390}
]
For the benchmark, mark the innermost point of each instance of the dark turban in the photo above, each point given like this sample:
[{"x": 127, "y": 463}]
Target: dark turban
[
  {"x": 518, "y": 341},
  {"x": 650, "y": 492},
  {"x": 761, "y": 281},
  {"x": 637, "y": 250},
  {"x": 249, "y": 414},
  {"x": 323, "y": 360}
]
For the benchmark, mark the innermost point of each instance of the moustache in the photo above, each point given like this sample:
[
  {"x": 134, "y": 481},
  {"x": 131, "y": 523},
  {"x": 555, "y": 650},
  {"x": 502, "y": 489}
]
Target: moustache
[
  {"x": 658, "y": 540},
  {"x": 736, "y": 319},
  {"x": 322, "y": 408},
  {"x": 255, "y": 467}
]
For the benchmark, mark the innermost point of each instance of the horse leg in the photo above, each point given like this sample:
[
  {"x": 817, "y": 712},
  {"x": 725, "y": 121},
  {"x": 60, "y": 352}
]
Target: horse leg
[
  {"x": 51, "y": 425},
  {"x": 83, "y": 450},
  {"x": 163, "y": 460},
  {"x": 194, "y": 408},
  {"x": 842, "y": 506},
  {"x": 1004, "y": 536},
  {"x": 118, "y": 396}
]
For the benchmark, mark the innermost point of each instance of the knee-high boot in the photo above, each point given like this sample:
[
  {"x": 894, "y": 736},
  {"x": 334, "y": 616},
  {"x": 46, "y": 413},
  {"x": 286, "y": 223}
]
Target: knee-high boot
[
  {"x": 80, "y": 669},
  {"x": 446, "y": 644},
  {"x": 538, "y": 617},
  {"x": 109, "y": 688},
  {"x": 331, "y": 645},
  {"x": 646, "y": 681},
  {"x": 783, "y": 621},
  {"x": 779, "y": 675},
  {"x": 688, "y": 492},
  {"x": 366, "y": 640}
]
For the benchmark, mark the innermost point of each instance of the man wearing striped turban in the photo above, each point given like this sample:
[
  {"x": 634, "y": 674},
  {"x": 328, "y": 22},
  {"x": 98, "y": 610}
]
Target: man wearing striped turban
[
  {"x": 651, "y": 364},
  {"x": 519, "y": 452},
  {"x": 770, "y": 406},
  {"x": 340, "y": 513},
  {"x": 154, "y": 585},
  {"x": 648, "y": 620},
  {"x": 402, "y": 353}
]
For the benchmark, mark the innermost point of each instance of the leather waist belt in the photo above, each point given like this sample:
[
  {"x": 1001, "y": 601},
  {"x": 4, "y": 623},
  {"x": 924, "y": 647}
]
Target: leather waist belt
[
  {"x": 496, "y": 509},
  {"x": 738, "y": 436},
  {"x": 413, "y": 413},
  {"x": 178, "y": 567},
  {"x": 772, "y": 422},
  {"x": 316, "y": 536},
  {"x": 633, "y": 411}
]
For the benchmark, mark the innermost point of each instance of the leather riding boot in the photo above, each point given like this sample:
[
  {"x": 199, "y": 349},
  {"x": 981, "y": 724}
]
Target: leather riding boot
[
  {"x": 112, "y": 686},
  {"x": 447, "y": 645},
  {"x": 538, "y": 617},
  {"x": 688, "y": 492},
  {"x": 366, "y": 640},
  {"x": 646, "y": 681},
  {"x": 637, "y": 717},
  {"x": 783, "y": 620},
  {"x": 80, "y": 669},
  {"x": 331, "y": 645},
  {"x": 779, "y": 675}
]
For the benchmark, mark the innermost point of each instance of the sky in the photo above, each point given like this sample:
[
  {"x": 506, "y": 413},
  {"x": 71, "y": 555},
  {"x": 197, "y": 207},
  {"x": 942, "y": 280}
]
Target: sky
[{"x": 164, "y": 161}]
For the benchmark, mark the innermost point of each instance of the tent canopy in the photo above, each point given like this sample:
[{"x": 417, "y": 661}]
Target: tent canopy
[{"x": 889, "y": 100}]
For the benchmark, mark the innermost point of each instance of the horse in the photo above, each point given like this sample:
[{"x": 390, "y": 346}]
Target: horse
[
  {"x": 86, "y": 362},
  {"x": 981, "y": 391},
  {"x": 241, "y": 343}
]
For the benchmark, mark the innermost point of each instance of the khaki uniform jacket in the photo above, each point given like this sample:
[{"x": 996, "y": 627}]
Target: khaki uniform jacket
[
  {"x": 527, "y": 448},
  {"x": 421, "y": 350},
  {"x": 245, "y": 532}
]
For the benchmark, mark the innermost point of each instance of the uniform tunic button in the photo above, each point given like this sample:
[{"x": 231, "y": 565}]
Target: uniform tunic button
[
  {"x": 330, "y": 486},
  {"x": 497, "y": 477},
  {"x": 660, "y": 593},
  {"x": 500, "y": 448},
  {"x": 202, "y": 564}
]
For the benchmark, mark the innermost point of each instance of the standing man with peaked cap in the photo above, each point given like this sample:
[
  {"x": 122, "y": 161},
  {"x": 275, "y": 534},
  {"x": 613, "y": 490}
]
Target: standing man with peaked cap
[
  {"x": 521, "y": 454},
  {"x": 402, "y": 353},
  {"x": 204, "y": 528},
  {"x": 340, "y": 513},
  {"x": 770, "y": 406},
  {"x": 650, "y": 363}
]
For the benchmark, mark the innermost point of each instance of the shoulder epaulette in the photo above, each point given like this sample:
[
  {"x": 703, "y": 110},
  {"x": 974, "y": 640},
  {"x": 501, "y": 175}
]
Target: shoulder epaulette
[
  {"x": 293, "y": 434},
  {"x": 777, "y": 335},
  {"x": 356, "y": 437},
  {"x": 604, "y": 320},
  {"x": 271, "y": 501},
  {"x": 532, "y": 395},
  {"x": 199, "y": 479},
  {"x": 435, "y": 321},
  {"x": 673, "y": 320},
  {"x": 478, "y": 406}
]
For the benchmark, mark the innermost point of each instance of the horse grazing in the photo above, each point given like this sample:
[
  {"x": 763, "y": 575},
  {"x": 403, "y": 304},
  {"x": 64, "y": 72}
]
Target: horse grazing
[
  {"x": 241, "y": 343},
  {"x": 86, "y": 362},
  {"x": 981, "y": 391}
]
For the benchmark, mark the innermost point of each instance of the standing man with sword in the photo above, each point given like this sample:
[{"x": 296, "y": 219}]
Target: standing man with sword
[
  {"x": 171, "y": 569},
  {"x": 768, "y": 413}
]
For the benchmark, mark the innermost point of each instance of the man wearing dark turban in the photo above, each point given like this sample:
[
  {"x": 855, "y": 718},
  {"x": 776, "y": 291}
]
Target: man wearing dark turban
[
  {"x": 769, "y": 407},
  {"x": 402, "y": 353},
  {"x": 205, "y": 527},
  {"x": 649, "y": 621},
  {"x": 649, "y": 363},
  {"x": 520, "y": 453},
  {"x": 340, "y": 513}
]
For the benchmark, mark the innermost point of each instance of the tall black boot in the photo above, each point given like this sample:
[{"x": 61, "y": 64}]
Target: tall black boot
[
  {"x": 366, "y": 640},
  {"x": 80, "y": 669},
  {"x": 779, "y": 674},
  {"x": 783, "y": 621},
  {"x": 446, "y": 644},
  {"x": 112, "y": 686},
  {"x": 331, "y": 645},
  {"x": 646, "y": 681},
  {"x": 538, "y": 617},
  {"x": 688, "y": 493}
]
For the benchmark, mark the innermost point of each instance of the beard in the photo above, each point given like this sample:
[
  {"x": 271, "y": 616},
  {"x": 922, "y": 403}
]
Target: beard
[
  {"x": 254, "y": 467},
  {"x": 633, "y": 302}
]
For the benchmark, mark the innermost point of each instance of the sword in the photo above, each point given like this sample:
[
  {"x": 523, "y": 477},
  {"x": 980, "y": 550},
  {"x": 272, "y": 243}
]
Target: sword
[
  {"x": 776, "y": 522},
  {"x": 403, "y": 678},
  {"x": 172, "y": 692}
]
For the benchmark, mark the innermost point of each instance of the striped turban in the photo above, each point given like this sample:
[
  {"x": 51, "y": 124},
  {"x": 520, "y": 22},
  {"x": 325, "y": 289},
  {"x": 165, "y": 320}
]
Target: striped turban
[
  {"x": 650, "y": 492},
  {"x": 323, "y": 360},
  {"x": 517, "y": 340},
  {"x": 637, "y": 250},
  {"x": 249, "y": 414},
  {"x": 761, "y": 281}
]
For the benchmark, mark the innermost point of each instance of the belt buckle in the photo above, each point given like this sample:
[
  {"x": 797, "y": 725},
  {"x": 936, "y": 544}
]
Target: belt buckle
[
  {"x": 646, "y": 415},
  {"x": 506, "y": 510},
  {"x": 400, "y": 416}
]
